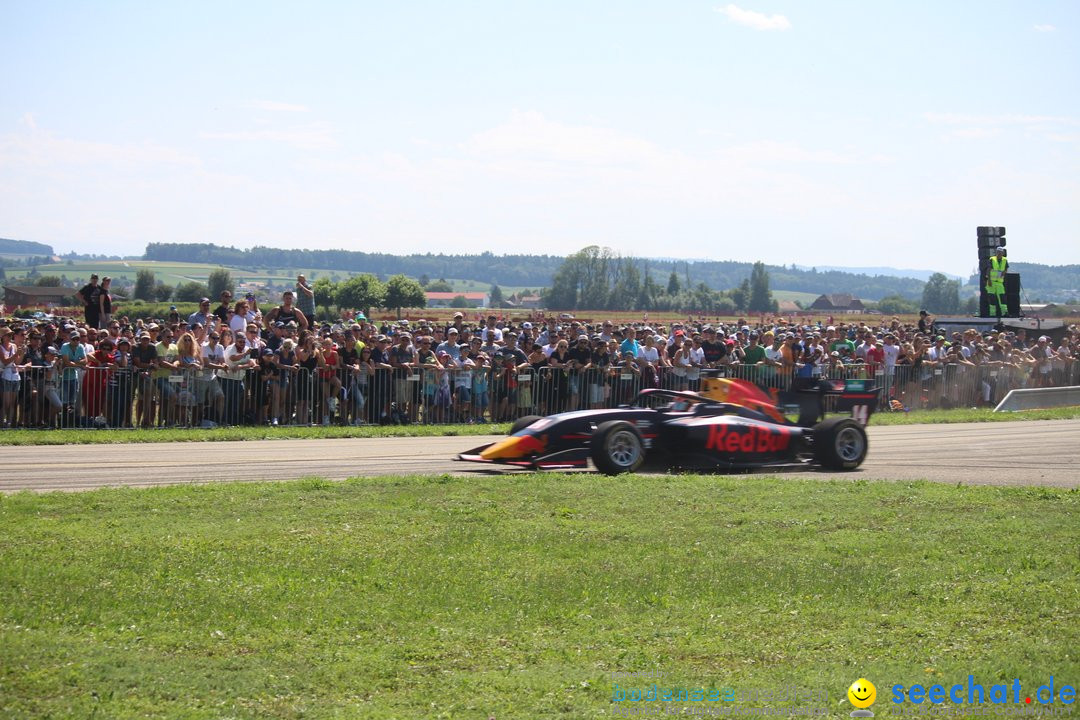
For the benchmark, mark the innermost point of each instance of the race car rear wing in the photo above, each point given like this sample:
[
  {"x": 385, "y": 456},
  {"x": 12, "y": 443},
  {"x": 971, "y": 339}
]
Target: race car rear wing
[{"x": 813, "y": 398}]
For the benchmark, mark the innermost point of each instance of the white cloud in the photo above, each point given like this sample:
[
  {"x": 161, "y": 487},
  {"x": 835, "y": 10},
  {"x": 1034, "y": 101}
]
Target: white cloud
[
  {"x": 976, "y": 133},
  {"x": 779, "y": 153},
  {"x": 279, "y": 106},
  {"x": 980, "y": 127},
  {"x": 315, "y": 136},
  {"x": 1024, "y": 120},
  {"x": 1044, "y": 28},
  {"x": 41, "y": 149},
  {"x": 531, "y": 136},
  {"x": 755, "y": 20}
]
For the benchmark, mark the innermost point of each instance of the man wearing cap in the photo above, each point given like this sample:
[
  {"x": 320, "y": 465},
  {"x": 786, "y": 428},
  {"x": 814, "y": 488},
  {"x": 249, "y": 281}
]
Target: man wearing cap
[
  {"x": 72, "y": 359},
  {"x": 90, "y": 297},
  {"x": 403, "y": 359},
  {"x": 166, "y": 362},
  {"x": 995, "y": 283},
  {"x": 526, "y": 339},
  {"x": 1042, "y": 355},
  {"x": 715, "y": 350},
  {"x": 753, "y": 353},
  {"x": 144, "y": 361},
  {"x": 451, "y": 346},
  {"x": 118, "y": 388},
  {"x": 239, "y": 360},
  {"x": 207, "y": 389},
  {"x": 459, "y": 322},
  {"x": 202, "y": 315}
]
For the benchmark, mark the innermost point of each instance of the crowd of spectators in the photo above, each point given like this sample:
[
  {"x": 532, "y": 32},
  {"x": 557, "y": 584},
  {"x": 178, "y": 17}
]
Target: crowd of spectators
[{"x": 234, "y": 364}]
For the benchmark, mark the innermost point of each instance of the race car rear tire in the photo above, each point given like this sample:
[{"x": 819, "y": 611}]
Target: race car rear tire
[
  {"x": 840, "y": 444},
  {"x": 523, "y": 422},
  {"x": 616, "y": 447}
]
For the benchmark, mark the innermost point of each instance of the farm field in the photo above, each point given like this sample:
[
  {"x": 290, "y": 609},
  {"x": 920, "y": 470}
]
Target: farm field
[
  {"x": 172, "y": 273},
  {"x": 168, "y": 272},
  {"x": 795, "y": 296},
  {"x": 518, "y": 596}
]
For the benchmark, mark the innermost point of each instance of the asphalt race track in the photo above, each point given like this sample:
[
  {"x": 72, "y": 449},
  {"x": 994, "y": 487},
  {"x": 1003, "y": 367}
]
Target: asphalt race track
[{"x": 1006, "y": 453}]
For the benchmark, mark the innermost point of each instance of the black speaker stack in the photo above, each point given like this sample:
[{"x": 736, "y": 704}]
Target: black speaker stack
[{"x": 990, "y": 238}]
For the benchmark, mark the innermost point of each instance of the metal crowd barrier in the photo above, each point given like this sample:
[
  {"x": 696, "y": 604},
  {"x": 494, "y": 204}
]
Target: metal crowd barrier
[{"x": 125, "y": 398}]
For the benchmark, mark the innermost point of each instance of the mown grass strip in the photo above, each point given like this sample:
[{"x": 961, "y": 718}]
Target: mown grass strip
[
  {"x": 86, "y": 436},
  {"x": 516, "y": 596},
  {"x": 221, "y": 434}
]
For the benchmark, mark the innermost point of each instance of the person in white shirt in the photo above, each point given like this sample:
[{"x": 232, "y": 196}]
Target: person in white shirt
[
  {"x": 937, "y": 351},
  {"x": 237, "y": 359},
  {"x": 892, "y": 351},
  {"x": 207, "y": 389},
  {"x": 649, "y": 352}
]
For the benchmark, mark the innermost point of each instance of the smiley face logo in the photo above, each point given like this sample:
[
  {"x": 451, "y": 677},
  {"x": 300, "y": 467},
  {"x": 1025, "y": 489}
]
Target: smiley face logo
[{"x": 862, "y": 693}]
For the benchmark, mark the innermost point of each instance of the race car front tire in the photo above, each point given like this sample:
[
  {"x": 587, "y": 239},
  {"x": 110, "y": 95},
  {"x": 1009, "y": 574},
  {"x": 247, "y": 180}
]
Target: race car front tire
[
  {"x": 840, "y": 444},
  {"x": 616, "y": 447}
]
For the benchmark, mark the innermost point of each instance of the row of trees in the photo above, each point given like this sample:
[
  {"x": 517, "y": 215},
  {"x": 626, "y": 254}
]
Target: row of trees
[
  {"x": 531, "y": 270},
  {"x": 596, "y": 278},
  {"x": 362, "y": 291}
]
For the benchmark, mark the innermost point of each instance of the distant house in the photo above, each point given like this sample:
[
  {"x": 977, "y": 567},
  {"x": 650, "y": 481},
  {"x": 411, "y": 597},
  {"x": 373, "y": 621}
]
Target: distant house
[
  {"x": 35, "y": 296},
  {"x": 443, "y": 299},
  {"x": 838, "y": 303},
  {"x": 529, "y": 302},
  {"x": 788, "y": 306},
  {"x": 525, "y": 302}
]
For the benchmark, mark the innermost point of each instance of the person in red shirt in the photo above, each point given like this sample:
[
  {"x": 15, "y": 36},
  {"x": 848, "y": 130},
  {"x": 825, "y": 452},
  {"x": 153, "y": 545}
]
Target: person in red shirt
[
  {"x": 331, "y": 380},
  {"x": 875, "y": 356}
]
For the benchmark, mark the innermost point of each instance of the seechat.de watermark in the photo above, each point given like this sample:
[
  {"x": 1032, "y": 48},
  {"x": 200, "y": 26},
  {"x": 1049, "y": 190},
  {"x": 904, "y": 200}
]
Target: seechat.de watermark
[{"x": 975, "y": 693}]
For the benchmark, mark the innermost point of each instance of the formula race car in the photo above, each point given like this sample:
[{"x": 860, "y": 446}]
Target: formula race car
[{"x": 729, "y": 425}]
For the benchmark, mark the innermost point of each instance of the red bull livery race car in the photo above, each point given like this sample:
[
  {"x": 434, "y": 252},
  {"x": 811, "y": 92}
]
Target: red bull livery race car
[{"x": 730, "y": 425}]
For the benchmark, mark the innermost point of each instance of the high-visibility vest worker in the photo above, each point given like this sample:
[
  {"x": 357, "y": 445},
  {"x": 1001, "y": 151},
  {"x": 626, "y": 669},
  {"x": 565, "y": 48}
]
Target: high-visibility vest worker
[
  {"x": 995, "y": 284},
  {"x": 998, "y": 265}
]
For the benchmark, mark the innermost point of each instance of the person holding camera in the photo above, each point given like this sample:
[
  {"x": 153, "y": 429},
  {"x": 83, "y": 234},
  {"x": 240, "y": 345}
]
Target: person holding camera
[{"x": 305, "y": 299}]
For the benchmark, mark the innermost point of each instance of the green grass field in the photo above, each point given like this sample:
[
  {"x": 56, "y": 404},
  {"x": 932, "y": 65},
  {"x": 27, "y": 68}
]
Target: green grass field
[
  {"x": 85, "y": 437},
  {"x": 517, "y": 596},
  {"x": 806, "y": 298},
  {"x": 172, "y": 273}
]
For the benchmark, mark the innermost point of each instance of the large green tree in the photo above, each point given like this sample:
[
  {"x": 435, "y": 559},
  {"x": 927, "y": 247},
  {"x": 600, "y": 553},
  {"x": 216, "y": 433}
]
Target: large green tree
[
  {"x": 439, "y": 285},
  {"x": 324, "y": 293},
  {"x": 360, "y": 292},
  {"x": 190, "y": 292},
  {"x": 941, "y": 295},
  {"x": 144, "y": 285},
  {"x": 219, "y": 281},
  {"x": 162, "y": 292},
  {"x": 673, "y": 286},
  {"x": 896, "y": 305},
  {"x": 741, "y": 295},
  {"x": 403, "y": 292},
  {"x": 625, "y": 286},
  {"x": 761, "y": 299}
]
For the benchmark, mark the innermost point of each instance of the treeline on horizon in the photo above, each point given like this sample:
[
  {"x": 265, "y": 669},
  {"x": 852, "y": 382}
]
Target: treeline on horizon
[
  {"x": 529, "y": 270},
  {"x": 23, "y": 247}
]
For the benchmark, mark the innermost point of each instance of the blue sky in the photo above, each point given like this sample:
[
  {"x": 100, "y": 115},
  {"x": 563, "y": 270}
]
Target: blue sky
[{"x": 850, "y": 133}]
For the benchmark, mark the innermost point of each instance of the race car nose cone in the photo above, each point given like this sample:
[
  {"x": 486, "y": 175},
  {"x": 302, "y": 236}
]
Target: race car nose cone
[{"x": 514, "y": 446}]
